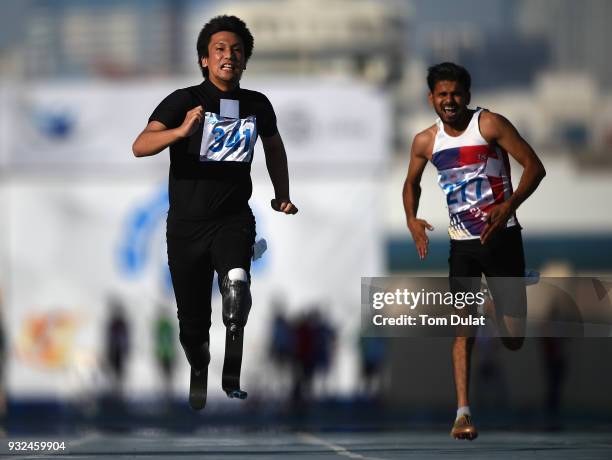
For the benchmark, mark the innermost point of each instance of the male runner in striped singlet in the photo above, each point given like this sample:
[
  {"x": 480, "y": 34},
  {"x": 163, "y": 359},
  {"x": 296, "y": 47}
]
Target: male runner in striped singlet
[{"x": 470, "y": 150}]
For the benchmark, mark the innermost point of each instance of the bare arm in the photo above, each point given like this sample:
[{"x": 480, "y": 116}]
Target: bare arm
[
  {"x": 276, "y": 162},
  {"x": 496, "y": 128},
  {"x": 156, "y": 136},
  {"x": 412, "y": 192}
]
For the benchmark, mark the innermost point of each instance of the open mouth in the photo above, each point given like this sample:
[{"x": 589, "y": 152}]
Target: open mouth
[
  {"x": 228, "y": 66},
  {"x": 450, "y": 110}
]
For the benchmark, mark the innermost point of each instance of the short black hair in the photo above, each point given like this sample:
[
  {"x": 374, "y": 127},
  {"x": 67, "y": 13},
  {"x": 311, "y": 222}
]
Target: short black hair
[
  {"x": 221, "y": 24},
  {"x": 448, "y": 71}
]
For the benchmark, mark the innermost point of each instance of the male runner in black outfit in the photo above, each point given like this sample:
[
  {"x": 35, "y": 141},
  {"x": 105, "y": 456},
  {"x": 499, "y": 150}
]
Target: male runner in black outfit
[{"x": 211, "y": 130}]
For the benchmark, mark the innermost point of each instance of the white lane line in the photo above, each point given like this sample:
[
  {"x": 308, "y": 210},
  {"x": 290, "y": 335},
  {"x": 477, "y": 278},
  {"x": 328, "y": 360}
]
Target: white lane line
[
  {"x": 85, "y": 439},
  {"x": 337, "y": 448}
]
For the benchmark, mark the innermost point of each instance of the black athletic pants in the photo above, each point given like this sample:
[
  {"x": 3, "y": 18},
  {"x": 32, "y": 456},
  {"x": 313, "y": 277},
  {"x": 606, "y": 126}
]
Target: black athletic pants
[{"x": 196, "y": 249}]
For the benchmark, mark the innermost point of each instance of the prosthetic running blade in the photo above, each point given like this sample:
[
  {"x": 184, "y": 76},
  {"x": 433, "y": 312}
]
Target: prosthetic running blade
[{"x": 232, "y": 364}]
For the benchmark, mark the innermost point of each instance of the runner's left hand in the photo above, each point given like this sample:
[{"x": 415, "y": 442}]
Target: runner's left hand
[
  {"x": 497, "y": 218},
  {"x": 284, "y": 206}
]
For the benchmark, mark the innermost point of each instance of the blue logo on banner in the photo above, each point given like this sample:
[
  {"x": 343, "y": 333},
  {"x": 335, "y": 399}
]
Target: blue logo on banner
[
  {"x": 141, "y": 226},
  {"x": 58, "y": 125}
]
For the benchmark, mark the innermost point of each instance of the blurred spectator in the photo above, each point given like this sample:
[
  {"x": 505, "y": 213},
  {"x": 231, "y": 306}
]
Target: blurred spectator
[
  {"x": 562, "y": 319},
  {"x": 282, "y": 342},
  {"x": 324, "y": 341},
  {"x": 372, "y": 354},
  {"x": 280, "y": 349},
  {"x": 554, "y": 355},
  {"x": 117, "y": 345},
  {"x": 491, "y": 386},
  {"x": 303, "y": 364},
  {"x": 165, "y": 348},
  {"x": 313, "y": 347}
]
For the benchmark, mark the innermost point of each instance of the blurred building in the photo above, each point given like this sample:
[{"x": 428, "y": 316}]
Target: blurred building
[
  {"x": 576, "y": 32},
  {"x": 480, "y": 35},
  {"x": 542, "y": 64},
  {"x": 326, "y": 37},
  {"x": 84, "y": 38}
]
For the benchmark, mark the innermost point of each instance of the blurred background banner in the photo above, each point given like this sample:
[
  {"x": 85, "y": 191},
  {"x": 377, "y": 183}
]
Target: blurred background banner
[
  {"x": 68, "y": 126},
  {"x": 86, "y": 233},
  {"x": 87, "y": 309},
  {"x": 65, "y": 126}
]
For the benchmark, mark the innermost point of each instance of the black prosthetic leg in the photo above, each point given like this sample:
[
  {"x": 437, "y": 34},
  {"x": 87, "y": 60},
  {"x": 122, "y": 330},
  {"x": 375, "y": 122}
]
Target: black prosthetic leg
[{"x": 236, "y": 307}]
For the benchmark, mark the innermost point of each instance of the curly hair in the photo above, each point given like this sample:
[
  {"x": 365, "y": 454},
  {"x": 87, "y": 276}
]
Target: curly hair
[
  {"x": 450, "y": 72},
  {"x": 221, "y": 24}
]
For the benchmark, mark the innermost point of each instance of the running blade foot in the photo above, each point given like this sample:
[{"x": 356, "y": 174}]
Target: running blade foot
[
  {"x": 238, "y": 394},
  {"x": 198, "y": 389}
]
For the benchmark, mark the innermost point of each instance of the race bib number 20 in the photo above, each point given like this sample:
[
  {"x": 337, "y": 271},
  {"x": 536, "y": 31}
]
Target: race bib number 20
[{"x": 228, "y": 139}]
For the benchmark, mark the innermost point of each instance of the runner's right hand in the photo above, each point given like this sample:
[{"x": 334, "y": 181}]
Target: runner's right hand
[
  {"x": 192, "y": 121},
  {"x": 417, "y": 228},
  {"x": 284, "y": 205}
]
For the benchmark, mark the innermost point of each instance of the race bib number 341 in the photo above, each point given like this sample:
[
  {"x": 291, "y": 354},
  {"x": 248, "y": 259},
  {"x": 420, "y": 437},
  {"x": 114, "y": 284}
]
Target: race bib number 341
[{"x": 228, "y": 139}]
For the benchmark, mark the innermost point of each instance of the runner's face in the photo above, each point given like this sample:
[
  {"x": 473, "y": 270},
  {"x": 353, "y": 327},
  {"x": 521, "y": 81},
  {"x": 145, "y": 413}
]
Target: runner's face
[
  {"x": 225, "y": 60},
  {"x": 449, "y": 99}
]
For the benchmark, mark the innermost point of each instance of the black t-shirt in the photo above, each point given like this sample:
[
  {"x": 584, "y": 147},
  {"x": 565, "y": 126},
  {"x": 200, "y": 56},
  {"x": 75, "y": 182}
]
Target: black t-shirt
[{"x": 210, "y": 171}]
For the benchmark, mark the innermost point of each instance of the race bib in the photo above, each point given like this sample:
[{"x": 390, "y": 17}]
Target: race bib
[{"x": 228, "y": 139}]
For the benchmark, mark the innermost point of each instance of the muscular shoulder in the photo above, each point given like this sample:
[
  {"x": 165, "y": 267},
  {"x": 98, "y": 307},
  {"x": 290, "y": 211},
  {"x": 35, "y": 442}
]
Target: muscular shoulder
[
  {"x": 492, "y": 125},
  {"x": 422, "y": 144}
]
